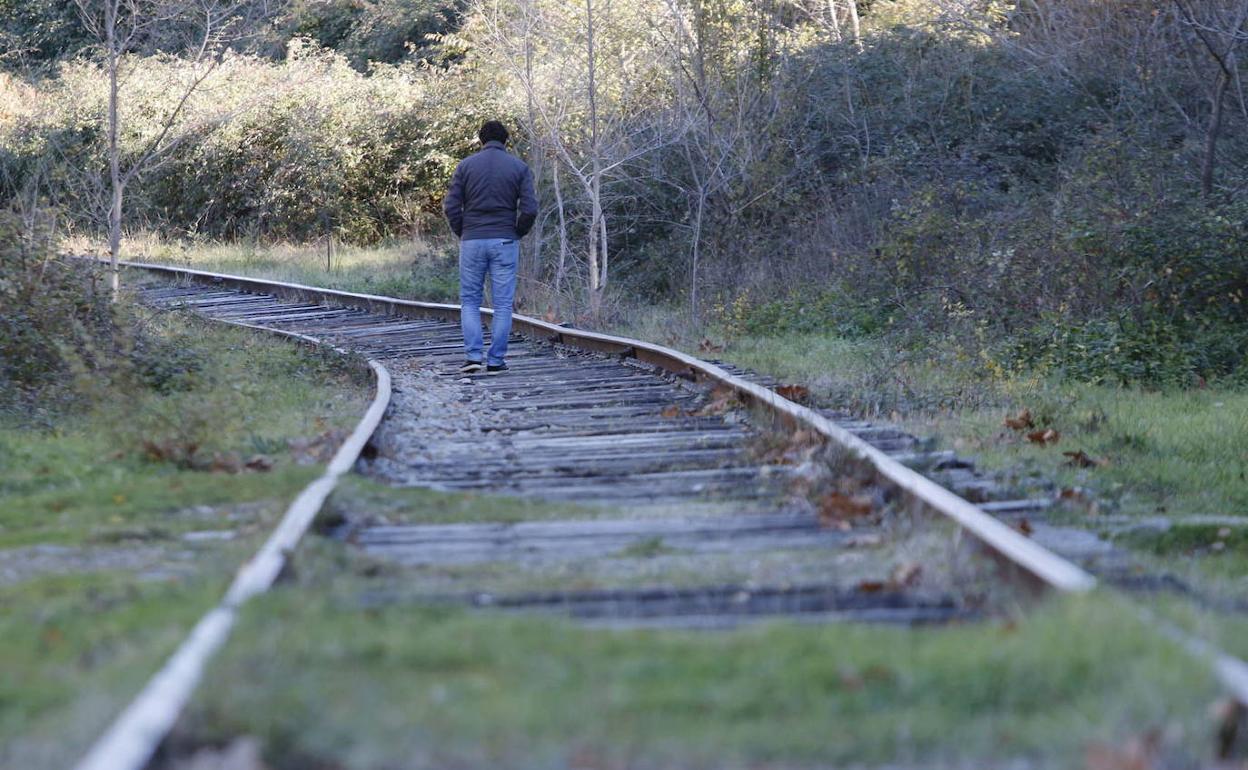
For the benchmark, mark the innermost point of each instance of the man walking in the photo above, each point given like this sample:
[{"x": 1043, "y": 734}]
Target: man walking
[{"x": 491, "y": 206}]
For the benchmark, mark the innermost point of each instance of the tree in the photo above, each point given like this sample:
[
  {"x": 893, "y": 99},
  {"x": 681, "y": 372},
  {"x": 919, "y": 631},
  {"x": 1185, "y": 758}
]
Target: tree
[
  {"x": 725, "y": 109},
  {"x": 1220, "y": 29},
  {"x": 202, "y": 31},
  {"x": 589, "y": 82}
]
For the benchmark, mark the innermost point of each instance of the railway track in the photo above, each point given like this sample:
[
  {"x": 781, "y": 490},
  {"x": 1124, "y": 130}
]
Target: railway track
[
  {"x": 670, "y": 469},
  {"x": 688, "y": 513}
]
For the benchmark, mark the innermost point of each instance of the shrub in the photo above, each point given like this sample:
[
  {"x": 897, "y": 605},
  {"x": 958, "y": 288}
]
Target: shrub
[
  {"x": 52, "y": 312},
  {"x": 62, "y": 337}
]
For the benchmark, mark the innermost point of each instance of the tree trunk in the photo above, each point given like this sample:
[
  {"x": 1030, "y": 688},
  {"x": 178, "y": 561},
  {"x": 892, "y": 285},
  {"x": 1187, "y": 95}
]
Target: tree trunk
[
  {"x": 602, "y": 241},
  {"x": 597, "y": 227},
  {"x": 537, "y": 156},
  {"x": 696, "y": 254},
  {"x": 834, "y": 20},
  {"x": 595, "y": 287},
  {"x": 114, "y": 152},
  {"x": 854, "y": 27},
  {"x": 1210, "y": 159},
  {"x": 562, "y": 267}
]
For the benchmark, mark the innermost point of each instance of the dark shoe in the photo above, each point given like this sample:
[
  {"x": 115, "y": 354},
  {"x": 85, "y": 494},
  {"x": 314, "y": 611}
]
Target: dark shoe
[
  {"x": 471, "y": 367},
  {"x": 496, "y": 368}
]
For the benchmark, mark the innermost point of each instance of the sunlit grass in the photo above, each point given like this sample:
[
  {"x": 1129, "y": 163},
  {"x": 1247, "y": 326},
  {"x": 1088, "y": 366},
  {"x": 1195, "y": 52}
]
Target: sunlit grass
[
  {"x": 1176, "y": 452},
  {"x": 409, "y": 269}
]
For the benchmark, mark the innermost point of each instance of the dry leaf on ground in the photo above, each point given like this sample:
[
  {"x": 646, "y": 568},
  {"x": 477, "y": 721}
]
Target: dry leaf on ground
[
  {"x": 722, "y": 399},
  {"x": 796, "y": 393},
  {"x": 1082, "y": 459},
  {"x": 838, "y": 507},
  {"x": 1044, "y": 437},
  {"x": 259, "y": 463},
  {"x": 1020, "y": 421}
]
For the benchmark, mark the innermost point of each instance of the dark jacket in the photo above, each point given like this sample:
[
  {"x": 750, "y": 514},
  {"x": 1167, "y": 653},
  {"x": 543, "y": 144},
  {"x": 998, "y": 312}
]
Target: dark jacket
[{"x": 486, "y": 191}]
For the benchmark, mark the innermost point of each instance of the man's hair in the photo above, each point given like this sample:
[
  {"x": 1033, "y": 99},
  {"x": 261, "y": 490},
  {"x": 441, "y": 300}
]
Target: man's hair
[{"x": 493, "y": 131}]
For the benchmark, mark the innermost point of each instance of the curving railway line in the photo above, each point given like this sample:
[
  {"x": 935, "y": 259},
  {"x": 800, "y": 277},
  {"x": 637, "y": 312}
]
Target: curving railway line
[{"x": 677, "y": 457}]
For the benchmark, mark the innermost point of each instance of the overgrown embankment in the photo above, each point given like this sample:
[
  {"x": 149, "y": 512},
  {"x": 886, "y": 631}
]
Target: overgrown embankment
[{"x": 143, "y": 456}]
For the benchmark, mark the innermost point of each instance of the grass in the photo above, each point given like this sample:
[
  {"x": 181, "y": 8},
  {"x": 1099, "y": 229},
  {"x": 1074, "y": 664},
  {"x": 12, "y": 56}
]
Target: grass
[
  {"x": 416, "y": 269},
  {"x": 74, "y": 649},
  {"x": 1175, "y": 452},
  {"x": 445, "y": 688},
  {"x": 97, "y": 581}
]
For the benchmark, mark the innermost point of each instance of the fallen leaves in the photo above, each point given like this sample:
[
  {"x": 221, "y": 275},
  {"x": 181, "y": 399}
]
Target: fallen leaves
[
  {"x": 183, "y": 454},
  {"x": 903, "y": 575},
  {"x": 187, "y": 455},
  {"x": 1020, "y": 421},
  {"x": 1081, "y": 459},
  {"x": 707, "y": 345},
  {"x": 672, "y": 411},
  {"x": 233, "y": 463},
  {"x": 1044, "y": 437},
  {"x": 1077, "y": 497},
  {"x": 1024, "y": 422},
  {"x": 1073, "y": 494},
  {"x": 796, "y": 393},
  {"x": 722, "y": 399},
  {"x": 838, "y": 509}
]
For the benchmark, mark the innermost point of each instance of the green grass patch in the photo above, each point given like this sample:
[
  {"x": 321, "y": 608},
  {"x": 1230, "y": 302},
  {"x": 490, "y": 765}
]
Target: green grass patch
[
  {"x": 97, "y": 583},
  {"x": 437, "y": 688},
  {"x": 1166, "y": 451},
  {"x": 420, "y": 270},
  {"x": 90, "y": 475},
  {"x": 1213, "y": 556},
  {"x": 73, "y": 649},
  {"x": 1192, "y": 539}
]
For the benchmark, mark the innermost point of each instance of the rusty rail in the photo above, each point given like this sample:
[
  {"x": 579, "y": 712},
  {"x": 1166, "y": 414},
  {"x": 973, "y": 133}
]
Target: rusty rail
[{"x": 1045, "y": 567}]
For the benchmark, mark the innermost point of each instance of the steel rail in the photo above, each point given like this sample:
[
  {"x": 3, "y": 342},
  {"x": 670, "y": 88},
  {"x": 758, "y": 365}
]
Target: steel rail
[
  {"x": 138, "y": 732},
  {"x": 1045, "y": 567},
  {"x": 133, "y": 737}
]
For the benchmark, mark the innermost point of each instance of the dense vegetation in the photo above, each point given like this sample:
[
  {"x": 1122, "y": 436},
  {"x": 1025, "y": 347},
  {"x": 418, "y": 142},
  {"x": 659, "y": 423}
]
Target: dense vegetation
[{"x": 1041, "y": 186}]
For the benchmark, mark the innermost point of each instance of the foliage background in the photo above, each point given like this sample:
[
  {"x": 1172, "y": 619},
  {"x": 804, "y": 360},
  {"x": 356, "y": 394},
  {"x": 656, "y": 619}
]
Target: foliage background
[{"x": 1024, "y": 189}]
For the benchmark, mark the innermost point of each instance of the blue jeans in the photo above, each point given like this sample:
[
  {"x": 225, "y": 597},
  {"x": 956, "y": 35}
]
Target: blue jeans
[{"x": 499, "y": 257}]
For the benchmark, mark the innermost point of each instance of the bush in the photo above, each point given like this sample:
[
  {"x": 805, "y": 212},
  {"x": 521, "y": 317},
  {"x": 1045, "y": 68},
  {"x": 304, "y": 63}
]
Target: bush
[
  {"x": 330, "y": 150},
  {"x": 62, "y": 337},
  {"x": 386, "y": 31},
  {"x": 53, "y": 313}
]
